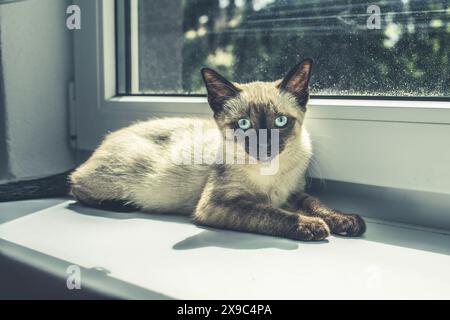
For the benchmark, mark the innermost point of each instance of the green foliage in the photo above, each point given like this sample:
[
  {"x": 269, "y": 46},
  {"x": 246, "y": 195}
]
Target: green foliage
[{"x": 261, "y": 39}]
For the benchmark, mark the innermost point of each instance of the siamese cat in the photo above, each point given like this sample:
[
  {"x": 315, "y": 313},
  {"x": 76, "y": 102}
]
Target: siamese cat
[{"x": 136, "y": 167}]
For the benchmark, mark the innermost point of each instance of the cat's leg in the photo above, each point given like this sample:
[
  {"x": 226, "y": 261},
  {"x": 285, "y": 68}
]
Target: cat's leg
[
  {"x": 242, "y": 214},
  {"x": 340, "y": 223}
]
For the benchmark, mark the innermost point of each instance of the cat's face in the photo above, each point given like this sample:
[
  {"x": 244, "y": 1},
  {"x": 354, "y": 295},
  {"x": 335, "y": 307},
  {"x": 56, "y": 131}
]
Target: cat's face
[{"x": 278, "y": 108}]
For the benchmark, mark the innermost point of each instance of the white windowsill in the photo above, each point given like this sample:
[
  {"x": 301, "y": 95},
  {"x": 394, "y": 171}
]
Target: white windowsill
[{"x": 169, "y": 256}]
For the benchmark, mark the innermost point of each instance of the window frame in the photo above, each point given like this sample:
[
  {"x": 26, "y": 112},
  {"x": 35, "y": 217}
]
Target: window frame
[{"x": 99, "y": 110}]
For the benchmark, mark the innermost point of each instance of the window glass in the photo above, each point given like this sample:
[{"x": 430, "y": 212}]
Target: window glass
[{"x": 360, "y": 48}]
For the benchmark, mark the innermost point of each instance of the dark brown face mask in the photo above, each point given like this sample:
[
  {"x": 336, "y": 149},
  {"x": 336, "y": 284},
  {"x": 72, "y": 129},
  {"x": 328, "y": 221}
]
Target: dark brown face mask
[
  {"x": 220, "y": 90},
  {"x": 262, "y": 144},
  {"x": 267, "y": 129}
]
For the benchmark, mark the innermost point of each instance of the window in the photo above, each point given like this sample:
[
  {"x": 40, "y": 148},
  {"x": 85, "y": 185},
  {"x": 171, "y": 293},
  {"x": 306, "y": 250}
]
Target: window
[{"x": 401, "y": 48}]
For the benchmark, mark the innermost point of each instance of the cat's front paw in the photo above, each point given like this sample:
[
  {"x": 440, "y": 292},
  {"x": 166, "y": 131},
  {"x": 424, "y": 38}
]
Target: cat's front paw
[
  {"x": 311, "y": 228},
  {"x": 351, "y": 225}
]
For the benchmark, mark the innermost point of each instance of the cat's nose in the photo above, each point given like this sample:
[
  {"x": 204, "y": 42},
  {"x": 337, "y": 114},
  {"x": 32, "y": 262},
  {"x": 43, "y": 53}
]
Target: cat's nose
[{"x": 265, "y": 149}]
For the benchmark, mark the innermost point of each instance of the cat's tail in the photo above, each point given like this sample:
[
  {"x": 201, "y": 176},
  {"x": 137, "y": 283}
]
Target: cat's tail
[
  {"x": 57, "y": 185},
  {"x": 52, "y": 186}
]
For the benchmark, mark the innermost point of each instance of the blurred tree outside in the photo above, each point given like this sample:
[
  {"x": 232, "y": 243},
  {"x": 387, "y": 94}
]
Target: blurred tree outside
[{"x": 249, "y": 40}]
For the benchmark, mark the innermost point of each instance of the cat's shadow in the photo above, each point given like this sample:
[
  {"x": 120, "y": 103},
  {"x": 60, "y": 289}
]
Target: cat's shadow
[
  {"x": 233, "y": 240},
  {"x": 208, "y": 237}
]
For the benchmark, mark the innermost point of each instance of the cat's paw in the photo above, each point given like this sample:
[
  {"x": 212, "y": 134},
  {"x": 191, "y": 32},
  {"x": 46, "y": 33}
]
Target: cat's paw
[
  {"x": 351, "y": 225},
  {"x": 312, "y": 228}
]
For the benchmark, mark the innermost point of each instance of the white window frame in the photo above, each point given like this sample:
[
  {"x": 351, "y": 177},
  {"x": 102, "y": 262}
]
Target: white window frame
[{"x": 360, "y": 141}]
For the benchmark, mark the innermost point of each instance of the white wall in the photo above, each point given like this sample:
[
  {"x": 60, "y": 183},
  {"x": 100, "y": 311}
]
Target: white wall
[{"x": 36, "y": 51}]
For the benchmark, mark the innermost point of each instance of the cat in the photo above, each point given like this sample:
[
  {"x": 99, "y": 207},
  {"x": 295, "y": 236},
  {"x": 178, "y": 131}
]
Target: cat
[{"x": 135, "y": 166}]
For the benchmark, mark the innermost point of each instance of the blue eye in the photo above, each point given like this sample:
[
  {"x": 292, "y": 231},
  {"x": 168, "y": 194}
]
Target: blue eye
[
  {"x": 244, "y": 124},
  {"x": 281, "y": 121}
]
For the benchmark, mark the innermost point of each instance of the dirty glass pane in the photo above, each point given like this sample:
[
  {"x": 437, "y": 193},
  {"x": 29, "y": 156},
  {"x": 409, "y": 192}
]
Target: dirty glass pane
[{"x": 396, "y": 48}]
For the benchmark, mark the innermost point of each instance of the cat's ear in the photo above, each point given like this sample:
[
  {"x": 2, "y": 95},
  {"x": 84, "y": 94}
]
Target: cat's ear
[
  {"x": 219, "y": 89},
  {"x": 296, "y": 82}
]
